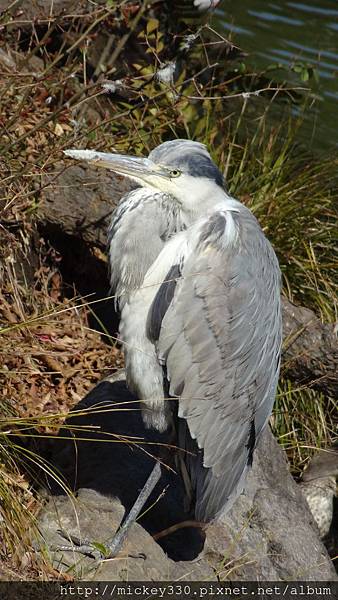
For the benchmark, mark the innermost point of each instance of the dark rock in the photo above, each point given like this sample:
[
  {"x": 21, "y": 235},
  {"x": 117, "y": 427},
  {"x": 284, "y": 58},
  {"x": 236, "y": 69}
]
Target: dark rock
[
  {"x": 272, "y": 530},
  {"x": 310, "y": 352},
  {"x": 269, "y": 534},
  {"x": 96, "y": 517},
  {"x": 79, "y": 202},
  {"x": 119, "y": 467}
]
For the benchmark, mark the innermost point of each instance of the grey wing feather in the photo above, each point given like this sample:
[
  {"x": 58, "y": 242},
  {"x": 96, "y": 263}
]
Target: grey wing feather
[
  {"x": 161, "y": 303},
  {"x": 140, "y": 226},
  {"x": 220, "y": 340}
]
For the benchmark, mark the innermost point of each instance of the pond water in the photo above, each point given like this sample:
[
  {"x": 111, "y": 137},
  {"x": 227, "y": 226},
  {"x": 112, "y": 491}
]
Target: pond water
[{"x": 292, "y": 33}]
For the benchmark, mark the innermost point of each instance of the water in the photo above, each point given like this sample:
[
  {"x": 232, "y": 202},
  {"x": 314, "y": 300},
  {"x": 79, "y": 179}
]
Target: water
[{"x": 288, "y": 34}]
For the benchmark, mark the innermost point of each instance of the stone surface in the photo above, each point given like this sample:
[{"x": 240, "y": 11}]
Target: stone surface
[
  {"x": 96, "y": 517},
  {"x": 278, "y": 535},
  {"x": 268, "y": 535},
  {"x": 79, "y": 201},
  {"x": 310, "y": 349}
]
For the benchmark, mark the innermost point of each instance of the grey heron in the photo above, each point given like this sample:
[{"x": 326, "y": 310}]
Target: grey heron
[{"x": 198, "y": 287}]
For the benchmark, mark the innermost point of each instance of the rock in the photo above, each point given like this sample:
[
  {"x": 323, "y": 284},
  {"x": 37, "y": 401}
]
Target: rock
[
  {"x": 310, "y": 349},
  {"x": 6, "y": 60},
  {"x": 80, "y": 200},
  {"x": 95, "y": 517},
  {"x": 271, "y": 528},
  {"x": 269, "y": 534},
  {"x": 318, "y": 486}
]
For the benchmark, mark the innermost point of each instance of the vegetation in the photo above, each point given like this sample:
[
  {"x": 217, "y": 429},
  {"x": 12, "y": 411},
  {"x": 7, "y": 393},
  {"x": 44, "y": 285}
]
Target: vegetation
[{"x": 77, "y": 82}]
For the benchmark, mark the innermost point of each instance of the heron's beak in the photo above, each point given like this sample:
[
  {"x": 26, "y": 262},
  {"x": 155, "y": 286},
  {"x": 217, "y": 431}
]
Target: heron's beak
[{"x": 142, "y": 170}]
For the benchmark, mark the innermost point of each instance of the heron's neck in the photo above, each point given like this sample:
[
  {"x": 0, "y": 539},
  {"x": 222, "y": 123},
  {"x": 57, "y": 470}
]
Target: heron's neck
[{"x": 205, "y": 204}]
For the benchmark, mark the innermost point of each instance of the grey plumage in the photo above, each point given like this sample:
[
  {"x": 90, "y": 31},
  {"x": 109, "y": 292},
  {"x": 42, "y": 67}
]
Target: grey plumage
[
  {"x": 192, "y": 157},
  {"x": 218, "y": 356},
  {"x": 130, "y": 259},
  {"x": 199, "y": 290},
  {"x": 161, "y": 303}
]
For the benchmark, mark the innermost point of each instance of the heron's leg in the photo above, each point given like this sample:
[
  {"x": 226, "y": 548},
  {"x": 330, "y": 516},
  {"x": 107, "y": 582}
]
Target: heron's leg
[
  {"x": 187, "y": 484},
  {"x": 181, "y": 467},
  {"x": 114, "y": 546},
  {"x": 116, "y": 543}
]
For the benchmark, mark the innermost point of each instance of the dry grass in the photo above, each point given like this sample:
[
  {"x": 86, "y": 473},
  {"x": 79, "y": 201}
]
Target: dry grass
[
  {"x": 49, "y": 360},
  {"x": 303, "y": 420}
]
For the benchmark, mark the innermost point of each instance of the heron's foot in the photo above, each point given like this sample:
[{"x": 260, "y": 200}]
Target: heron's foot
[
  {"x": 95, "y": 550},
  {"x": 82, "y": 546},
  {"x": 111, "y": 548}
]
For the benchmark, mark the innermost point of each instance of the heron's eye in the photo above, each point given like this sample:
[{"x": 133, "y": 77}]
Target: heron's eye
[{"x": 175, "y": 173}]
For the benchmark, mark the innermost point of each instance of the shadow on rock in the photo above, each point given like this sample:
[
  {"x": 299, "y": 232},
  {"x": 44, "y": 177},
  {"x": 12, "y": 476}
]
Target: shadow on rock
[{"x": 110, "y": 451}]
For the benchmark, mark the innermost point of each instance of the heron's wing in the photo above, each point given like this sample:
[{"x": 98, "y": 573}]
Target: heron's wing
[{"x": 220, "y": 342}]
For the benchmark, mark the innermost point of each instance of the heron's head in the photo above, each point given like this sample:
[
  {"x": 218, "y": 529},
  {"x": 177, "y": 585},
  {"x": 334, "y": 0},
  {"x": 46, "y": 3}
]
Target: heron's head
[{"x": 180, "y": 168}]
